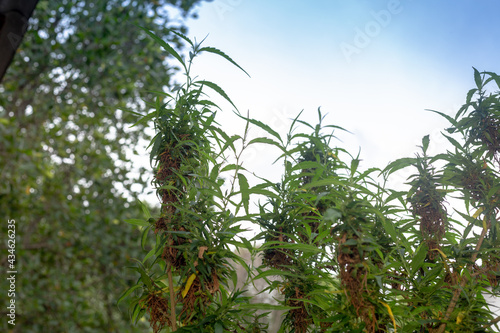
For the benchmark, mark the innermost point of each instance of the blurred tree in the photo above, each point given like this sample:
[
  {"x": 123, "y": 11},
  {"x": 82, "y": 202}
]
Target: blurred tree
[{"x": 66, "y": 173}]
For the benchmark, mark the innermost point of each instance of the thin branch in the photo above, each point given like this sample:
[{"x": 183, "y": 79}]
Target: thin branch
[
  {"x": 457, "y": 292},
  {"x": 493, "y": 322},
  {"x": 172, "y": 298}
]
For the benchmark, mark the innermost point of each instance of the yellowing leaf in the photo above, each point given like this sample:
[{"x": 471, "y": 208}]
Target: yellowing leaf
[
  {"x": 485, "y": 225},
  {"x": 390, "y": 314},
  {"x": 332, "y": 154},
  {"x": 479, "y": 211},
  {"x": 442, "y": 253},
  {"x": 189, "y": 283},
  {"x": 460, "y": 317}
]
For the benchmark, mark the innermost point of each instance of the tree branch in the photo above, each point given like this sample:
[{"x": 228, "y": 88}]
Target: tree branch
[
  {"x": 493, "y": 322},
  {"x": 172, "y": 298},
  {"x": 457, "y": 292}
]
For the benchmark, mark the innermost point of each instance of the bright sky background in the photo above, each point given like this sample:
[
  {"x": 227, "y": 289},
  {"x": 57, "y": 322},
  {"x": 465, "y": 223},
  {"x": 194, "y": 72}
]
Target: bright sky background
[{"x": 373, "y": 66}]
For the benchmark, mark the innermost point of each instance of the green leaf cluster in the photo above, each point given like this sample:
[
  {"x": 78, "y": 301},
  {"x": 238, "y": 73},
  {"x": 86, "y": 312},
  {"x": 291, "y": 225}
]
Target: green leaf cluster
[
  {"x": 187, "y": 278},
  {"x": 342, "y": 252}
]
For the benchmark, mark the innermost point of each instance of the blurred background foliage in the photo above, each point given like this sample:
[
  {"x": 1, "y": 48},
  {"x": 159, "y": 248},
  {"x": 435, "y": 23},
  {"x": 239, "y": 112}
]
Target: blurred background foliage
[{"x": 66, "y": 170}]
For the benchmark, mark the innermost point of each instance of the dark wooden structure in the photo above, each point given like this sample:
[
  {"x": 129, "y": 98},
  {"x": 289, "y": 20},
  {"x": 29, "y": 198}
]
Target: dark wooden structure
[{"x": 14, "y": 16}]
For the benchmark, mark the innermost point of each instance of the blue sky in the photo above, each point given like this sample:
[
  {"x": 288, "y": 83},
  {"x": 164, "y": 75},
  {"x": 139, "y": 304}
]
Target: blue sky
[{"x": 373, "y": 66}]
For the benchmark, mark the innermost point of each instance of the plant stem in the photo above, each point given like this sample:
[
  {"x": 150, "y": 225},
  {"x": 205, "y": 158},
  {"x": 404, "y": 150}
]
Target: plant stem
[
  {"x": 172, "y": 298},
  {"x": 457, "y": 292},
  {"x": 493, "y": 322}
]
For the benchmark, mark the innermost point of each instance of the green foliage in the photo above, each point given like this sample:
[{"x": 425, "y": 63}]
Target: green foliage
[
  {"x": 454, "y": 268},
  {"x": 66, "y": 174},
  {"x": 186, "y": 280},
  {"x": 344, "y": 253},
  {"x": 320, "y": 235}
]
